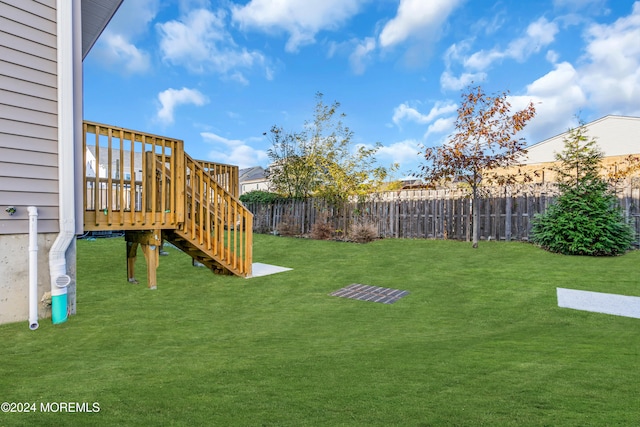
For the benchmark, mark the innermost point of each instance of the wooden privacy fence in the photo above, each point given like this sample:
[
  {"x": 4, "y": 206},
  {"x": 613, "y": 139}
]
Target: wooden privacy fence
[{"x": 428, "y": 215}]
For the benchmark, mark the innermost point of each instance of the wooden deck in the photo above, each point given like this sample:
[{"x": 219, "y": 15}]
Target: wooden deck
[{"x": 147, "y": 186}]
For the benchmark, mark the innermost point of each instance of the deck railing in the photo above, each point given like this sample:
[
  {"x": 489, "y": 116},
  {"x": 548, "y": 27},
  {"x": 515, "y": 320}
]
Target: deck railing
[
  {"x": 129, "y": 177},
  {"x": 140, "y": 181}
]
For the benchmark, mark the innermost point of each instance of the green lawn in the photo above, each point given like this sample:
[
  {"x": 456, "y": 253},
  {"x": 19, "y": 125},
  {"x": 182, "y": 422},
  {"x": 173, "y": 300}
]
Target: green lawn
[{"x": 478, "y": 341}]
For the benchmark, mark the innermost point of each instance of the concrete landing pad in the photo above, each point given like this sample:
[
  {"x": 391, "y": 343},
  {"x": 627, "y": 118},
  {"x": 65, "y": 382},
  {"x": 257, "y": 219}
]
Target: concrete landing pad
[
  {"x": 618, "y": 305},
  {"x": 259, "y": 269}
]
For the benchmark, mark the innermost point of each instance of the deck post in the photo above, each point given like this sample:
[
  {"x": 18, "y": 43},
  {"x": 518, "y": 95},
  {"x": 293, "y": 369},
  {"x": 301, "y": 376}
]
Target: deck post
[
  {"x": 150, "y": 242},
  {"x": 132, "y": 251},
  {"x": 151, "y": 255}
]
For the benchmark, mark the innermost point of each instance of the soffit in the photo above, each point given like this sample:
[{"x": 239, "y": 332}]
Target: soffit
[{"x": 96, "y": 14}]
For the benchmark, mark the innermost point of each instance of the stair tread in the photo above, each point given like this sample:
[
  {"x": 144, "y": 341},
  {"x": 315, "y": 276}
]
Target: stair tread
[{"x": 206, "y": 257}]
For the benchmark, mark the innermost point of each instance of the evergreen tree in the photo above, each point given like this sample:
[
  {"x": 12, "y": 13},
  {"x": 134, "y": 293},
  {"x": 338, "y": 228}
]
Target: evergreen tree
[{"x": 586, "y": 218}]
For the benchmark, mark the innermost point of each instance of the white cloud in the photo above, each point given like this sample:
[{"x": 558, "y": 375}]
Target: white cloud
[
  {"x": 200, "y": 42},
  {"x": 217, "y": 139},
  {"x": 121, "y": 55},
  {"x": 552, "y": 56},
  {"x": 404, "y": 112},
  {"x": 361, "y": 55},
  {"x": 414, "y": 17},
  {"x": 611, "y": 74},
  {"x": 456, "y": 52},
  {"x": 449, "y": 82},
  {"x": 580, "y": 4},
  {"x": 235, "y": 151},
  {"x": 441, "y": 126},
  {"x": 186, "y": 5},
  {"x": 407, "y": 152},
  {"x": 557, "y": 97},
  {"x": 606, "y": 81},
  {"x": 402, "y": 152},
  {"x": 482, "y": 59},
  {"x": 116, "y": 47},
  {"x": 171, "y": 98},
  {"x": 453, "y": 55},
  {"x": 539, "y": 34},
  {"x": 492, "y": 23},
  {"x": 133, "y": 17},
  {"x": 301, "y": 19},
  {"x": 563, "y": 77}
]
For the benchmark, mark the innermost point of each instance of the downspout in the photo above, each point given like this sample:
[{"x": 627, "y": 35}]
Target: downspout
[
  {"x": 33, "y": 267},
  {"x": 66, "y": 185},
  {"x": 77, "y": 114}
]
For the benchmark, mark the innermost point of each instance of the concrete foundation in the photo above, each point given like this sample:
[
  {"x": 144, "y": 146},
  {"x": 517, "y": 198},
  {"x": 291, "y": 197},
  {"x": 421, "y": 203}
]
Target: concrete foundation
[{"x": 14, "y": 276}]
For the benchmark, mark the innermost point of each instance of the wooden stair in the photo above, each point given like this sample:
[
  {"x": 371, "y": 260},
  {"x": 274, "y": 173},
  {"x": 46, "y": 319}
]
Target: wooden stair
[
  {"x": 197, "y": 252},
  {"x": 147, "y": 186},
  {"x": 217, "y": 228}
]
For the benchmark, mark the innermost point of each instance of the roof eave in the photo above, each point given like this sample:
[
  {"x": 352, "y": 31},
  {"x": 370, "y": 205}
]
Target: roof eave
[{"x": 96, "y": 14}]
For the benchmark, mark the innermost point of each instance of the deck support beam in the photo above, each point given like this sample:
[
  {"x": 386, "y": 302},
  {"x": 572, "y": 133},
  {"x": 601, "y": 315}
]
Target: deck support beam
[{"x": 150, "y": 242}]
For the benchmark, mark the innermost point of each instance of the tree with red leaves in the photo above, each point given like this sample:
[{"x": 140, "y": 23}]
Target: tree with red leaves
[{"x": 485, "y": 140}]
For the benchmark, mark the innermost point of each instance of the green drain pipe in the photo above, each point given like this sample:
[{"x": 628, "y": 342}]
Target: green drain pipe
[{"x": 59, "y": 303}]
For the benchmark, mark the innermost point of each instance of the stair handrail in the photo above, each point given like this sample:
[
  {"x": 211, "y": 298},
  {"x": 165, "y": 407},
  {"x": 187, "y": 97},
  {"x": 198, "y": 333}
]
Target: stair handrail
[
  {"x": 227, "y": 175},
  {"x": 217, "y": 220}
]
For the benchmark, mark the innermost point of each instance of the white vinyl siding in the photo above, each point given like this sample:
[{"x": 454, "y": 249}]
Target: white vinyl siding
[
  {"x": 614, "y": 135},
  {"x": 28, "y": 114}
]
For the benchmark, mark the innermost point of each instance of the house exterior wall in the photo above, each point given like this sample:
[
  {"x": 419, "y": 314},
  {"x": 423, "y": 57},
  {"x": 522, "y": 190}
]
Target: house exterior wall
[
  {"x": 28, "y": 151},
  {"x": 28, "y": 115},
  {"x": 14, "y": 270},
  {"x": 248, "y": 186},
  {"x": 42, "y": 43},
  {"x": 544, "y": 173},
  {"x": 617, "y": 136}
]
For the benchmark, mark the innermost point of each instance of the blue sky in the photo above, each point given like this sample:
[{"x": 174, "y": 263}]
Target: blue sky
[{"x": 218, "y": 74}]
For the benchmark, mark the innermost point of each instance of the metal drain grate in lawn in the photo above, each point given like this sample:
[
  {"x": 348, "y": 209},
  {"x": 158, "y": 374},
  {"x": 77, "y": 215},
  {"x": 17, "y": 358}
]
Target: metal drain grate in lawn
[{"x": 370, "y": 293}]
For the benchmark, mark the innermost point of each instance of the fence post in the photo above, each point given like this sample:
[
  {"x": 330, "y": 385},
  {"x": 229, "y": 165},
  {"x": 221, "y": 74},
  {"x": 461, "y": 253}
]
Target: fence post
[{"x": 507, "y": 215}]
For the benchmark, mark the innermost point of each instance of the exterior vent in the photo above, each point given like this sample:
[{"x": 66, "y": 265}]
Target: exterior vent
[{"x": 63, "y": 281}]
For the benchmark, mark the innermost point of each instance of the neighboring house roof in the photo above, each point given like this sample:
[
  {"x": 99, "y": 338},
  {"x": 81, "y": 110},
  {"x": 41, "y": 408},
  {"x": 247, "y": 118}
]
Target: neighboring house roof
[
  {"x": 96, "y": 14},
  {"x": 615, "y": 136},
  {"x": 252, "y": 174},
  {"x": 251, "y": 179}
]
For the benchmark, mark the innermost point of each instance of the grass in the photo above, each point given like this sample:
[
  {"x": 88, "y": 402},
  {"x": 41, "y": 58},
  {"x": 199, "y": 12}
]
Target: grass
[{"x": 479, "y": 341}]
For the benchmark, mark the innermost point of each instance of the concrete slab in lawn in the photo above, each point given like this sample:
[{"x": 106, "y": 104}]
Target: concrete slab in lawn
[
  {"x": 619, "y": 305},
  {"x": 259, "y": 269}
]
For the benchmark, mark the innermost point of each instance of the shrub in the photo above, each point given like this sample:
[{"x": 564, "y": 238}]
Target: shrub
[
  {"x": 288, "y": 227},
  {"x": 259, "y": 196},
  {"x": 262, "y": 228},
  {"x": 322, "y": 230},
  {"x": 363, "y": 232},
  {"x": 584, "y": 221}
]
